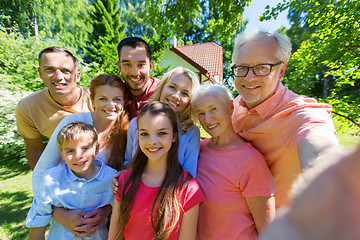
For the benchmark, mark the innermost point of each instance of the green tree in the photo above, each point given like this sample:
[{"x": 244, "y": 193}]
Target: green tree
[
  {"x": 108, "y": 30},
  {"x": 69, "y": 21},
  {"x": 140, "y": 24},
  {"x": 66, "y": 20},
  {"x": 135, "y": 14},
  {"x": 22, "y": 14},
  {"x": 204, "y": 30},
  {"x": 177, "y": 17},
  {"x": 329, "y": 54},
  {"x": 19, "y": 61},
  {"x": 200, "y": 21}
]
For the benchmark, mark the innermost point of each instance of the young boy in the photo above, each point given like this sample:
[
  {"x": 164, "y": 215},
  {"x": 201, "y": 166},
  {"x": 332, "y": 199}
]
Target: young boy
[{"x": 81, "y": 183}]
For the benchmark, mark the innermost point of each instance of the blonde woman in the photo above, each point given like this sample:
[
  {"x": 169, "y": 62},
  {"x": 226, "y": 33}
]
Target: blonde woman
[{"x": 176, "y": 88}]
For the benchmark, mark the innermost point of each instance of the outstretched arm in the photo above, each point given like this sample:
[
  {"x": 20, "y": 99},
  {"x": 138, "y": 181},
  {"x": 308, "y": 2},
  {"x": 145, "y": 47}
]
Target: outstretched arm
[
  {"x": 314, "y": 147},
  {"x": 326, "y": 208}
]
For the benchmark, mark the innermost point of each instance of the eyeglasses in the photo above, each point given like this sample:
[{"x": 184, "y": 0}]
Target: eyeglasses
[{"x": 258, "y": 70}]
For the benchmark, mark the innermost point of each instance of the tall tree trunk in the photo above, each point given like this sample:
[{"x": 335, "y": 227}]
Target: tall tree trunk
[
  {"x": 36, "y": 31},
  {"x": 325, "y": 87},
  {"x": 325, "y": 83}
]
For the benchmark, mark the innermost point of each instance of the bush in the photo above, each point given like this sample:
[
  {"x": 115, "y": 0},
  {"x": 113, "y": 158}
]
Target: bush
[
  {"x": 12, "y": 147},
  {"x": 19, "y": 59}
]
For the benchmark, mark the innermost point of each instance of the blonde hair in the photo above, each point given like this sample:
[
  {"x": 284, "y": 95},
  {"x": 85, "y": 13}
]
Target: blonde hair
[
  {"x": 186, "y": 117},
  {"x": 76, "y": 131}
]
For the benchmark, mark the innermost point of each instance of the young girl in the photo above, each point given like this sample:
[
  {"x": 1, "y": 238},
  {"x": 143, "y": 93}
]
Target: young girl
[
  {"x": 176, "y": 89},
  {"x": 109, "y": 95},
  {"x": 157, "y": 199}
]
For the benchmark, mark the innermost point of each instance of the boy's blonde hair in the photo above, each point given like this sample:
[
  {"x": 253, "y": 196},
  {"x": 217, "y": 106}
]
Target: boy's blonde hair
[
  {"x": 186, "y": 117},
  {"x": 75, "y": 131}
]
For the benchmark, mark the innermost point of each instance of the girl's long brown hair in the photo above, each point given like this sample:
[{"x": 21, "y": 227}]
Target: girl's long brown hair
[
  {"x": 115, "y": 143},
  {"x": 166, "y": 209}
]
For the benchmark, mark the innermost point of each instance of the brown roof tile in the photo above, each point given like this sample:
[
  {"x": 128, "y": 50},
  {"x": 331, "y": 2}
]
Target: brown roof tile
[{"x": 207, "y": 55}]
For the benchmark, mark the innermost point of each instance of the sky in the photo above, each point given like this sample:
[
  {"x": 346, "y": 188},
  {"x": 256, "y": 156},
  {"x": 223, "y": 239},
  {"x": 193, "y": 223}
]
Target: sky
[{"x": 257, "y": 8}]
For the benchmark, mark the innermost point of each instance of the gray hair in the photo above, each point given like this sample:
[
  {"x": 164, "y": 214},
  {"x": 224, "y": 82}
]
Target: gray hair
[
  {"x": 209, "y": 89},
  {"x": 285, "y": 46}
]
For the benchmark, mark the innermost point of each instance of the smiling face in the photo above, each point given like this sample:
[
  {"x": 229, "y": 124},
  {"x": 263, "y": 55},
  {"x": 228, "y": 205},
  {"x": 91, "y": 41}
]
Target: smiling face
[
  {"x": 214, "y": 115},
  {"x": 58, "y": 72},
  {"x": 108, "y": 102},
  {"x": 155, "y": 136},
  {"x": 135, "y": 67},
  {"x": 177, "y": 92},
  {"x": 256, "y": 89},
  {"x": 79, "y": 155}
]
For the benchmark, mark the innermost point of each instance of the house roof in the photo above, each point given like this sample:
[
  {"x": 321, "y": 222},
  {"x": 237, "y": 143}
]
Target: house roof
[{"x": 206, "y": 57}]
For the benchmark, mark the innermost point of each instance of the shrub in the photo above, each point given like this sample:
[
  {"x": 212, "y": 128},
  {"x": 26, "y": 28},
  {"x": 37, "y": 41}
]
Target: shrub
[{"x": 12, "y": 147}]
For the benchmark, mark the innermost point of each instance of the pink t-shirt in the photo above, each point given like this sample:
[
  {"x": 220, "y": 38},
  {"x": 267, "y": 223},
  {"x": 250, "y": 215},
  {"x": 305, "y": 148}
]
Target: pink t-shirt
[
  {"x": 139, "y": 225},
  {"x": 277, "y": 126},
  {"x": 226, "y": 179},
  {"x": 137, "y": 102}
]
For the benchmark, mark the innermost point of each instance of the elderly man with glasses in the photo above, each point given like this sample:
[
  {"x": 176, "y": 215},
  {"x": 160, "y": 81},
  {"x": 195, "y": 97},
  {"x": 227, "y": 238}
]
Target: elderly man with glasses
[{"x": 290, "y": 130}]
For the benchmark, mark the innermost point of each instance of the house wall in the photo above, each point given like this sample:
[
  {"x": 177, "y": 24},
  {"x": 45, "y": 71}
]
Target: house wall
[{"x": 171, "y": 58}]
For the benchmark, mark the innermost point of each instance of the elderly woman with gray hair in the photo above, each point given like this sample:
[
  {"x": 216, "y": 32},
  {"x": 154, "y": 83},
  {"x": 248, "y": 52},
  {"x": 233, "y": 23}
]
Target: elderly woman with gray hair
[{"x": 236, "y": 182}]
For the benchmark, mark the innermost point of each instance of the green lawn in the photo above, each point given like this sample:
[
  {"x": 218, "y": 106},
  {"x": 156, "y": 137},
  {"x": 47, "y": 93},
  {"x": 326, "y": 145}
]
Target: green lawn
[
  {"x": 16, "y": 195},
  {"x": 15, "y": 200},
  {"x": 346, "y": 136}
]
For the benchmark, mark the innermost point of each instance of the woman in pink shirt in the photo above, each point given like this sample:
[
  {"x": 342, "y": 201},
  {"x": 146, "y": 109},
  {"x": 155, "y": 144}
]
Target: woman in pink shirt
[{"x": 236, "y": 182}]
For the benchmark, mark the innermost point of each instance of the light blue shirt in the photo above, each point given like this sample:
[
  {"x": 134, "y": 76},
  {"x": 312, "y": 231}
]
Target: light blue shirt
[
  {"x": 60, "y": 187},
  {"x": 189, "y": 146},
  {"x": 51, "y": 155}
]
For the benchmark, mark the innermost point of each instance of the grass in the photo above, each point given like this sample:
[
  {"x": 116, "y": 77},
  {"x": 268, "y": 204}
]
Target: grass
[
  {"x": 347, "y": 141},
  {"x": 16, "y": 195},
  {"x": 346, "y": 136},
  {"x": 15, "y": 200}
]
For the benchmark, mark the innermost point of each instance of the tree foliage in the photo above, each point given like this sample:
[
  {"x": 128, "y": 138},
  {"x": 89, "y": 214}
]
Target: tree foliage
[
  {"x": 65, "y": 20},
  {"x": 11, "y": 143},
  {"x": 178, "y": 16},
  {"x": 139, "y": 23},
  {"x": 20, "y": 14},
  {"x": 108, "y": 30},
  {"x": 19, "y": 61},
  {"x": 329, "y": 55},
  {"x": 200, "y": 21}
]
